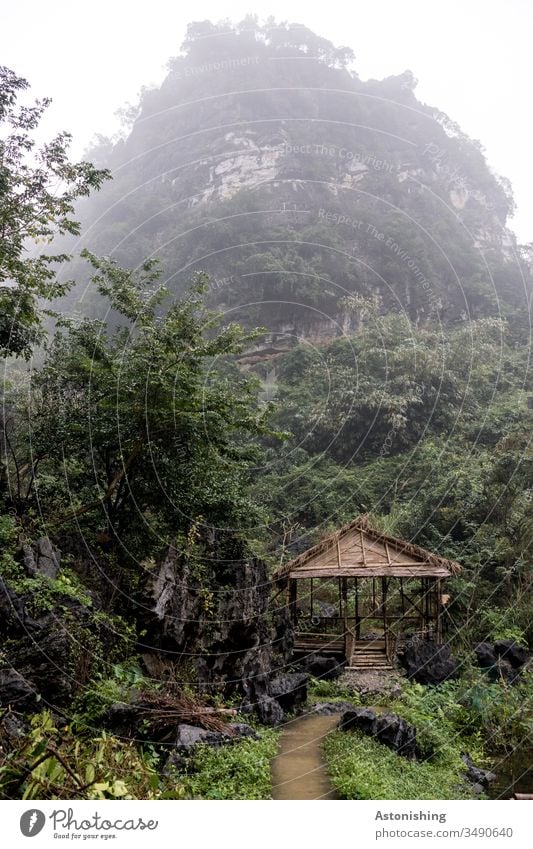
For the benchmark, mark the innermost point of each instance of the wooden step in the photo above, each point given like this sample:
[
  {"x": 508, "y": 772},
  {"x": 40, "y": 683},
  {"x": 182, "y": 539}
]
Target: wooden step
[
  {"x": 367, "y": 668},
  {"x": 369, "y": 651},
  {"x": 369, "y": 657}
]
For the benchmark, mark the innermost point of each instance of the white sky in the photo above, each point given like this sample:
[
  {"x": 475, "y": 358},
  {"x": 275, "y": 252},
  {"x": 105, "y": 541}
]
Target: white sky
[{"x": 473, "y": 60}]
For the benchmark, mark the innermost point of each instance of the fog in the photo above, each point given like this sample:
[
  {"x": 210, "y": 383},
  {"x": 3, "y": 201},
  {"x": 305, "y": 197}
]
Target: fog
[{"x": 472, "y": 60}]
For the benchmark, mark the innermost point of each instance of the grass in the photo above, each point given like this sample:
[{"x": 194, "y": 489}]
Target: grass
[
  {"x": 237, "y": 771},
  {"x": 361, "y": 768},
  {"x": 331, "y": 691}
]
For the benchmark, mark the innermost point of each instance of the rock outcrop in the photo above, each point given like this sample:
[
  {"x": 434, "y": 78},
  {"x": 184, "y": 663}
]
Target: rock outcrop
[
  {"x": 479, "y": 778},
  {"x": 427, "y": 662},
  {"x": 50, "y": 655},
  {"x": 322, "y": 667},
  {"x": 188, "y": 737},
  {"x": 41, "y": 558},
  {"x": 503, "y": 659},
  {"x": 216, "y": 613},
  {"x": 387, "y": 728}
]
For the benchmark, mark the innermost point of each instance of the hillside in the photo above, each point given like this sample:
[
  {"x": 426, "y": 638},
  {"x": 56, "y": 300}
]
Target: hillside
[{"x": 264, "y": 160}]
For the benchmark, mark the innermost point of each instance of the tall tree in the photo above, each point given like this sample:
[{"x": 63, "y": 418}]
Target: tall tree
[
  {"x": 145, "y": 424},
  {"x": 38, "y": 188}
]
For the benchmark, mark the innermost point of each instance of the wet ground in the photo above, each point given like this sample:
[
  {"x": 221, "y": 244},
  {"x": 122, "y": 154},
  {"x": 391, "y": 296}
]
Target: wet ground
[
  {"x": 298, "y": 771},
  {"x": 514, "y": 774}
]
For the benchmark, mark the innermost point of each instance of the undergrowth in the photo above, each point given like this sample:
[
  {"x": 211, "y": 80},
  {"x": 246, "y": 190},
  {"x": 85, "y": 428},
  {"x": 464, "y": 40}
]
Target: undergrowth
[
  {"x": 361, "y": 768},
  {"x": 237, "y": 771}
]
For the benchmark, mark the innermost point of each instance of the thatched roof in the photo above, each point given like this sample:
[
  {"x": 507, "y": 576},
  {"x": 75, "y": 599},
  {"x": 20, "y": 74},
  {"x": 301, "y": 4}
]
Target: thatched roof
[{"x": 359, "y": 550}]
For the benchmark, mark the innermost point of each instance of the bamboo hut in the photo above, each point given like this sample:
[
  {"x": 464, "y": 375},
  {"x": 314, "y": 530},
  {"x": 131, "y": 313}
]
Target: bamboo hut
[{"x": 360, "y": 593}]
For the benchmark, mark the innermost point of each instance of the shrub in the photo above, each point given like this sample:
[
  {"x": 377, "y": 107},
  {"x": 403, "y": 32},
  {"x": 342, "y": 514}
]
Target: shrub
[{"x": 53, "y": 763}]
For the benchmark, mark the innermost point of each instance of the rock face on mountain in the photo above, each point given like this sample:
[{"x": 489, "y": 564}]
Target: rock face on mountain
[
  {"x": 215, "y": 613},
  {"x": 264, "y": 160}
]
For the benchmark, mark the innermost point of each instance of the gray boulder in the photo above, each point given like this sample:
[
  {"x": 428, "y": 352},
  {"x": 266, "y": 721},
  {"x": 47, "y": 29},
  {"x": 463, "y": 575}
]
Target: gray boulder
[
  {"x": 41, "y": 558},
  {"x": 15, "y": 691},
  {"x": 289, "y": 689},
  {"x": 485, "y": 655},
  {"x": 428, "y": 663},
  {"x": 478, "y": 777},
  {"x": 269, "y": 711},
  {"x": 331, "y": 708},
  {"x": 322, "y": 667},
  {"x": 188, "y": 737},
  {"x": 390, "y": 730}
]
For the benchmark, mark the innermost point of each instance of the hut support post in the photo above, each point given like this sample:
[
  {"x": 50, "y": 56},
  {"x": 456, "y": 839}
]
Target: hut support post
[
  {"x": 384, "y": 610},
  {"x": 343, "y": 595},
  {"x": 438, "y": 609},
  {"x": 357, "y": 617},
  {"x": 292, "y": 600}
]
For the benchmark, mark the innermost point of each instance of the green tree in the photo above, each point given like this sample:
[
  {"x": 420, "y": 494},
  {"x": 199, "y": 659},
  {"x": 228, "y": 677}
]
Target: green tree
[
  {"x": 38, "y": 187},
  {"x": 147, "y": 426}
]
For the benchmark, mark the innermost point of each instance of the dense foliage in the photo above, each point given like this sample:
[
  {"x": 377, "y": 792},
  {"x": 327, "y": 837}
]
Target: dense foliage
[
  {"x": 468, "y": 715},
  {"x": 163, "y": 424}
]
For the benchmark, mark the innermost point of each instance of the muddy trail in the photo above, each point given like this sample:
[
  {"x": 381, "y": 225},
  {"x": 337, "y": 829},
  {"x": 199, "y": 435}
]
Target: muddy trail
[{"x": 298, "y": 771}]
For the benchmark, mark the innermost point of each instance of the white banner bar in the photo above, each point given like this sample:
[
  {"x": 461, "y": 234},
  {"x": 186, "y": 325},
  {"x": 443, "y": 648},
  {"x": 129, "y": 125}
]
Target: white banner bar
[{"x": 258, "y": 825}]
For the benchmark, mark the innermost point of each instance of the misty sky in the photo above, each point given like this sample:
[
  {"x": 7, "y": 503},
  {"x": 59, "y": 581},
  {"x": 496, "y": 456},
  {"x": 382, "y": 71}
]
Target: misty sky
[{"x": 472, "y": 58}]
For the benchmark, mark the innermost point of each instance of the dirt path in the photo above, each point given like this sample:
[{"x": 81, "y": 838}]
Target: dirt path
[{"x": 298, "y": 771}]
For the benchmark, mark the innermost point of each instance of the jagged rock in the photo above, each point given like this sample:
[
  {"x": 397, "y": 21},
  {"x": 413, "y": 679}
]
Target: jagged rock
[
  {"x": 12, "y": 726},
  {"x": 289, "y": 689},
  {"x": 428, "y": 663},
  {"x": 283, "y": 633},
  {"x": 41, "y": 558},
  {"x": 14, "y": 619},
  {"x": 269, "y": 711},
  {"x": 15, "y": 691},
  {"x": 54, "y": 652},
  {"x": 477, "y": 776},
  {"x": 241, "y": 729},
  {"x": 190, "y": 736},
  {"x": 230, "y": 638},
  {"x": 389, "y": 729},
  {"x": 503, "y": 660},
  {"x": 397, "y": 734},
  {"x": 485, "y": 655},
  {"x": 322, "y": 667},
  {"x": 361, "y": 718},
  {"x": 511, "y": 652}
]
